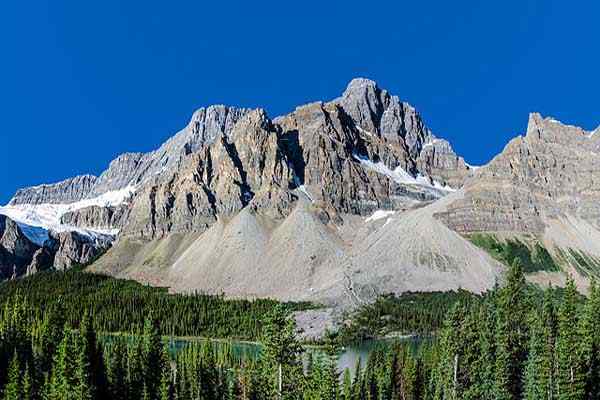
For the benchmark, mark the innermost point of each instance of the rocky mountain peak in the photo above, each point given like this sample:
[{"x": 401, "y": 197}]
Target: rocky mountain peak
[
  {"x": 365, "y": 102},
  {"x": 552, "y": 130}
]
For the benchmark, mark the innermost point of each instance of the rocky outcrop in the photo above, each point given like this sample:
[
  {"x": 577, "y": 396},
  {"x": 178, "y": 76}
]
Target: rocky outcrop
[
  {"x": 20, "y": 256},
  {"x": 238, "y": 169},
  {"x": 67, "y": 191},
  {"x": 397, "y": 124},
  {"x": 15, "y": 242},
  {"x": 41, "y": 260},
  {"x": 73, "y": 248},
  {"x": 16, "y": 249},
  {"x": 549, "y": 173},
  {"x": 96, "y": 217}
]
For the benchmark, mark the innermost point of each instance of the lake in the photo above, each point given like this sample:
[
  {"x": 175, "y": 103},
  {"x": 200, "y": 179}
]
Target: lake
[{"x": 347, "y": 358}]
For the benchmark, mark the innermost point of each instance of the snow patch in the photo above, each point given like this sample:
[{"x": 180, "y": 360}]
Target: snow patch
[
  {"x": 379, "y": 214},
  {"x": 34, "y": 219},
  {"x": 400, "y": 176},
  {"x": 473, "y": 167},
  {"x": 301, "y": 188}
]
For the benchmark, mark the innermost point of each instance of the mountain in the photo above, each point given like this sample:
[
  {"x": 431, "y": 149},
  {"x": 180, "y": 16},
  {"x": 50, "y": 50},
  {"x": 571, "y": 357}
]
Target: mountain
[{"x": 337, "y": 202}]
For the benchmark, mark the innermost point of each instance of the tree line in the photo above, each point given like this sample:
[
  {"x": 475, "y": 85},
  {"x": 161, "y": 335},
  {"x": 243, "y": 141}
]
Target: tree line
[
  {"x": 515, "y": 342},
  {"x": 117, "y": 305}
]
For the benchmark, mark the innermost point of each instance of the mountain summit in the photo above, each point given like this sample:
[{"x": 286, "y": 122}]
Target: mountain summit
[{"x": 337, "y": 201}]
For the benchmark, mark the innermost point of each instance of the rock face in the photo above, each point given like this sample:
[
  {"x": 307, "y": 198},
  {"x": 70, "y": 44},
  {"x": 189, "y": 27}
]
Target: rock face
[
  {"x": 73, "y": 248},
  {"x": 318, "y": 152},
  {"x": 551, "y": 172},
  {"x": 67, "y": 191},
  {"x": 15, "y": 249},
  {"x": 241, "y": 167},
  {"x": 242, "y": 204},
  {"x": 20, "y": 256},
  {"x": 95, "y": 217}
]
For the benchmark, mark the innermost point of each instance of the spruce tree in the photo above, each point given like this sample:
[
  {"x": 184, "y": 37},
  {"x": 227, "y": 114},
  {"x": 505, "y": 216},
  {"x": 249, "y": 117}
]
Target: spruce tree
[
  {"x": 511, "y": 335},
  {"x": 117, "y": 372},
  {"x": 27, "y": 390},
  {"x": 590, "y": 343},
  {"x": 153, "y": 359},
  {"x": 12, "y": 390},
  {"x": 570, "y": 378},
  {"x": 93, "y": 352},
  {"x": 281, "y": 350},
  {"x": 64, "y": 384},
  {"x": 347, "y": 385},
  {"x": 540, "y": 370}
]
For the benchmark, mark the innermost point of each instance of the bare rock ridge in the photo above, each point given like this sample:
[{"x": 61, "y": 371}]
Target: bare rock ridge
[
  {"x": 551, "y": 172},
  {"x": 337, "y": 202},
  {"x": 20, "y": 256}
]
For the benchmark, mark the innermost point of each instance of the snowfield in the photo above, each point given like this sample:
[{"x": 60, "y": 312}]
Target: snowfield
[
  {"x": 400, "y": 176},
  {"x": 35, "y": 220}
]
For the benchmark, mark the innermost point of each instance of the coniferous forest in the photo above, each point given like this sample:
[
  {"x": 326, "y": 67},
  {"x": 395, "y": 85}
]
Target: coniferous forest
[{"x": 515, "y": 342}]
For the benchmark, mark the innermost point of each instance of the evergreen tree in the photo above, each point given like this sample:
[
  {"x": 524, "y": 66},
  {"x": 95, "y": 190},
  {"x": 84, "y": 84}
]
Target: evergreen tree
[
  {"x": 450, "y": 382},
  {"x": 281, "y": 350},
  {"x": 27, "y": 390},
  {"x": 166, "y": 385},
  {"x": 65, "y": 381},
  {"x": 12, "y": 390},
  {"x": 590, "y": 343},
  {"x": 117, "y": 372},
  {"x": 135, "y": 371},
  {"x": 540, "y": 370},
  {"x": 347, "y": 385},
  {"x": 153, "y": 359},
  {"x": 93, "y": 352},
  {"x": 511, "y": 335},
  {"x": 330, "y": 379},
  {"x": 484, "y": 365},
  {"x": 570, "y": 378}
]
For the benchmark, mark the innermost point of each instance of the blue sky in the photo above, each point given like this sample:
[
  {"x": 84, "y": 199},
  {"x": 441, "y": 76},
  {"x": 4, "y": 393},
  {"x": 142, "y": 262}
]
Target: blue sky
[{"x": 81, "y": 82}]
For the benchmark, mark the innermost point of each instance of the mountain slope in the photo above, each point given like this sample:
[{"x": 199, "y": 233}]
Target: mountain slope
[{"x": 337, "y": 202}]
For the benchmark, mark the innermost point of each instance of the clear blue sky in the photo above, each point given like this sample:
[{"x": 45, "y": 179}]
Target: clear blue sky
[{"x": 81, "y": 81}]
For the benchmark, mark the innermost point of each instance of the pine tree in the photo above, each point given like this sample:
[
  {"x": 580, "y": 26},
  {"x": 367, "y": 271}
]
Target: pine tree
[
  {"x": 166, "y": 385},
  {"x": 540, "y": 370},
  {"x": 12, "y": 390},
  {"x": 589, "y": 349},
  {"x": 281, "y": 350},
  {"x": 27, "y": 391},
  {"x": 570, "y": 378},
  {"x": 357, "y": 383},
  {"x": 484, "y": 365},
  {"x": 533, "y": 388},
  {"x": 347, "y": 385},
  {"x": 135, "y": 371},
  {"x": 153, "y": 359},
  {"x": 117, "y": 372},
  {"x": 93, "y": 352},
  {"x": 450, "y": 383},
  {"x": 84, "y": 387},
  {"x": 330, "y": 379},
  {"x": 511, "y": 335},
  {"x": 65, "y": 381}
]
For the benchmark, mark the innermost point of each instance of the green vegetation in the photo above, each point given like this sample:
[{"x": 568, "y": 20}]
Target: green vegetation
[
  {"x": 516, "y": 342},
  {"x": 534, "y": 257},
  {"x": 116, "y": 305},
  {"x": 407, "y": 314},
  {"x": 585, "y": 264},
  {"x": 510, "y": 344}
]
